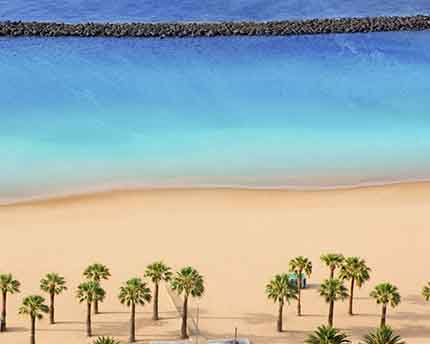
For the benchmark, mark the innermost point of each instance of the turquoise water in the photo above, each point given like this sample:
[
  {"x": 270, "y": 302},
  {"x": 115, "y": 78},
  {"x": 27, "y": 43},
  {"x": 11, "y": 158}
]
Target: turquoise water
[
  {"x": 303, "y": 112},
  {"x": 201, "y": 10}
]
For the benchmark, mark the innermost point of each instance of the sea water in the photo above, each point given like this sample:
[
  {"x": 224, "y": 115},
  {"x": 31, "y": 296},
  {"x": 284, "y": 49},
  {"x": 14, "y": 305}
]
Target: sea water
[
  {"x": 202, "y": 10},
  {"x": 79, "y": 115}
]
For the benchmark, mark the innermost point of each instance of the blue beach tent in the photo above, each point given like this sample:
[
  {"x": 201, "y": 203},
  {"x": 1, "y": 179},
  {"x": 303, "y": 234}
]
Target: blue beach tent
[{"x": 293, "y": 279}]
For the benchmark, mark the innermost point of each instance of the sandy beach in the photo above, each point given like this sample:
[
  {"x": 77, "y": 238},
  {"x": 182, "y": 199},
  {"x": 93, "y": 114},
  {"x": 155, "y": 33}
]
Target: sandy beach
[{"x": 238, "y": 239}]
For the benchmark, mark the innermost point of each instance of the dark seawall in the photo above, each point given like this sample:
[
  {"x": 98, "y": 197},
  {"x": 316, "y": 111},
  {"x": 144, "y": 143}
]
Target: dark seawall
[{"x": 271, "y": 28}]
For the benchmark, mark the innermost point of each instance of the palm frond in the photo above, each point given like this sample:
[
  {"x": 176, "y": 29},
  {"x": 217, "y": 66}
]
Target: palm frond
[
  {"x": 90, "y": 291},
  {"x": 188, "y": 281},
  {"x": 355, "y": 267},
  {"x": 34, "y": 306},
  {"x": 53, "y": 283},
  {"x": 135, "y": 291},
  {"x": 386, "y": 293},
  {"x": 158, "y": 272},
  {"x": 96, "y": 272},
  {"x": 301, "y": 265},
  {"x": 327, "y": 335},
  {"x": 382, "y": 335},
  {"x": 106, "y": 340},
  {"x": 280, "y": 289},
  {"x": 332, "y": 289},
  {"x": 8, "y": 284}
]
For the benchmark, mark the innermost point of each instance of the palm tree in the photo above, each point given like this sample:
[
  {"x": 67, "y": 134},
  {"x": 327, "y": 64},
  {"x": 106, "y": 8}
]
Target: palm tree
[
  {"x": 281, "y": 290},
  {"x": 157, "y": 272},
  {"x": 8, "y": 285},
  {"x": 385, "y": 293},
  {"x": 189, "y": 282},
  {"x": 134, "y": 292},
  {"x": 53, "y": 284},
  {"x": 355, "y": 270},
  {"x": 97, "y": 272},
  {"x": 333, "y": 290},
  {"x": 426, "y": 292},
  {"x": 33, "y": 306},
  {"x": 106, "y": 340},
  {"x": 300, "y": 265},
  {"x": 327, "y": 335},
  {"x": 89, "y": 292},
  {"x": 382, "y": 335},
  {"x": 332, "y": 261}
]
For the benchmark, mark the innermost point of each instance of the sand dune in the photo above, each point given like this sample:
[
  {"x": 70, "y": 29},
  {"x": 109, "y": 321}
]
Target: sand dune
[{"x": 237, "y": 239}]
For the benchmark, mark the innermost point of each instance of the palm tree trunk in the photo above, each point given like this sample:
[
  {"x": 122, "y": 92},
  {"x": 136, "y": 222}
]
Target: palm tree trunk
[
  {"x": 184, "y": 332},
  {"x": 89, "y": 319},
  {"x": 351, "y": 296},
  {"x": 330, "y": 314},
  {"x": 155, "y": 305},
  {"x": 96, "y": 307},
  {"x": 33, "y": 331},
  {"x": 332, "y": 272},
  {"x": 132, "y": 337},
  {"x": 52, "y": 309},
  {"x": 280, "y": 311},
  {"x": 3, "y": 313},
  {"x": 384, "y": 315},
  {"x": 299, "y": 288}
]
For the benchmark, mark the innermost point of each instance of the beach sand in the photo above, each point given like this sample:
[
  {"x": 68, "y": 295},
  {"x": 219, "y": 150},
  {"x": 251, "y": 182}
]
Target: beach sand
[{"x": 237, "y": 239}]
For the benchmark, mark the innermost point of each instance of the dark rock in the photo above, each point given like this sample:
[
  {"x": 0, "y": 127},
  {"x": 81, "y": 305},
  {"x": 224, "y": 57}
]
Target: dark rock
[{"x": 162, "y": 30}]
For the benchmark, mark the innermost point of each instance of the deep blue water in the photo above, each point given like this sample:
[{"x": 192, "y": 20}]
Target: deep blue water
[
  {"x": 201, "y": 10},
  {"x": 321, "y": 111}
]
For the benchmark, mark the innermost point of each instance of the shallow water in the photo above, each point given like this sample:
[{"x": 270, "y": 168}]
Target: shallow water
[
  {"x": 322, "y": 111},
  {"x": 201, "y": 10}
]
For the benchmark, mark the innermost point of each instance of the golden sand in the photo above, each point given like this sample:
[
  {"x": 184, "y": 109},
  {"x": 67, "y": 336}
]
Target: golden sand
[{"x": 237, "y": 239}]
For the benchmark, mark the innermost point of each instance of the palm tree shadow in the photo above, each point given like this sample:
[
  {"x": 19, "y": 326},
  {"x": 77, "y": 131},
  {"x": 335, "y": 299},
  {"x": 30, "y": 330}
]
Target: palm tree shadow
[
  {"x": 409, "y": 316},
  {"x": 415, "y": 331},
  {"x": 358, "y": 329},
  {"x": 415, "y": 300},
  {"x": 17, "y": 329},
  {"x": 250, "y": 318},
  {"x": 169, "y": 314},
  {"x": 77, "y": 330},
  {"x": 165, "y": 336},
  {"x": 313, "y": 315},
  {"x": 406, "y": 332},
  {"x": 370, "y": 315},
  {"x": 287, "y": 336},
  {"x": 69, "y": 322},
  {"x": 312, "y": 286},
  {"x": 121, "y": 328}
]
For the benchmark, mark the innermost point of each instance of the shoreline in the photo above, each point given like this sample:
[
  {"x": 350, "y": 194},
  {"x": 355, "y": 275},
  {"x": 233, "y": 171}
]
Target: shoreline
[{"x": 112, "y": 191}]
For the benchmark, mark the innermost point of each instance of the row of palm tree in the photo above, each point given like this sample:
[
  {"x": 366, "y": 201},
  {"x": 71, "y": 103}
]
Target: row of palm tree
[
  {"x": 283, "y": 290},
  {"x": 187, "y": 282}
]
